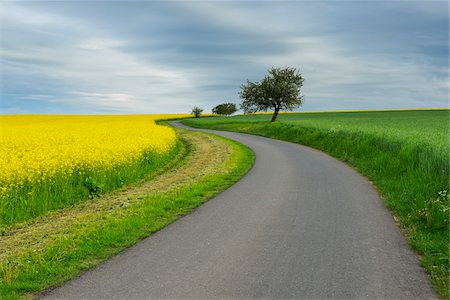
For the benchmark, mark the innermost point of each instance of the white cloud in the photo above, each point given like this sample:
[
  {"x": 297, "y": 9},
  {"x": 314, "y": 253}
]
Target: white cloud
[
  {"x": 108, "y": 101},
  {"x": 100, "y": 44},
  {"x": 20, "y": 13},
  {"x": 137, "y": 67},
  {"x": 111, "y": 78}
]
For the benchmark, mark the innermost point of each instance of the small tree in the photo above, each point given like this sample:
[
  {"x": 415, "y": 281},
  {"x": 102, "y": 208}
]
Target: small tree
[
  {"x": 279, "y": 90},
  {"x": 225, "y": 109},
  {"x": 196, "y": 111}
]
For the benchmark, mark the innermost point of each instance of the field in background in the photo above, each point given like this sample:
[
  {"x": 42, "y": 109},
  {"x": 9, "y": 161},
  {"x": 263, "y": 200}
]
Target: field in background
[
  {"x": 52, "y": 161},
  {"x": 405, "y": 153},
  {"x": 418, "y": 127}
]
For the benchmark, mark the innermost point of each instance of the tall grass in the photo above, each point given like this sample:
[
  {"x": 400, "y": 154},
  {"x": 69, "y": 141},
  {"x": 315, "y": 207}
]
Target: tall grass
[{"x": 405, "y": 154}]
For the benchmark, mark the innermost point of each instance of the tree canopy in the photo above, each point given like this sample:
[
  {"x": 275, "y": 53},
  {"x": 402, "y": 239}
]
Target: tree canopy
[
  {"x": 225, "y": 109},
  {"x": 279, "y": 90},
  {"x": 196, "y": 111}
]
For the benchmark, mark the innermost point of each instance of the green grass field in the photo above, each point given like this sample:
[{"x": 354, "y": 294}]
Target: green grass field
[
  {"x": 405, "y": 154},
  {"x": 419, "y": 127}
]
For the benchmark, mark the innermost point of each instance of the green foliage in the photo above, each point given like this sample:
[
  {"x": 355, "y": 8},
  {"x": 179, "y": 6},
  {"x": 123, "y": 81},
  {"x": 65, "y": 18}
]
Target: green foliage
[
  {"x": 405, "y": 154},
  {"x": 279, "y": 90},
  {"x": 436, "y": 213},
  {"x": 225, "y": 109},
  {"x": 196, "y": 111},
  {"x": 93, "y": 187}
]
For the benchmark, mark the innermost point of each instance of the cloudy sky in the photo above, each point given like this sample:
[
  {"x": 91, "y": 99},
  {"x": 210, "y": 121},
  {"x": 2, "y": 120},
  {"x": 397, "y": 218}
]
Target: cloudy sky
[{"x": 165, "y": 57}]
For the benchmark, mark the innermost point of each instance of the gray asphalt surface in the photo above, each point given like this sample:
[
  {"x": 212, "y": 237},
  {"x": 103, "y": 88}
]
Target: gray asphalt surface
[{"x": 299, "y": 225}]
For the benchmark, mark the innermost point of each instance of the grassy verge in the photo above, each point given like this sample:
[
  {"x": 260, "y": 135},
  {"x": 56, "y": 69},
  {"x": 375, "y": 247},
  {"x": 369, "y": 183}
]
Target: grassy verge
[
  {"x": 408, "y": 177},
  {"x": 54, "y": 248}
]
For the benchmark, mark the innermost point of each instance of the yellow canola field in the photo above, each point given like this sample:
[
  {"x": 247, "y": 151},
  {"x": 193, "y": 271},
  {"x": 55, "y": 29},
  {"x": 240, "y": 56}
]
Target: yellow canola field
[{"x": 34, "y": 148}]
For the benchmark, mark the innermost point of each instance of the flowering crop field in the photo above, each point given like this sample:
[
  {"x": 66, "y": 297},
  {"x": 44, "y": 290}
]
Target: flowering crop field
[{"x": 51, "y": 161}]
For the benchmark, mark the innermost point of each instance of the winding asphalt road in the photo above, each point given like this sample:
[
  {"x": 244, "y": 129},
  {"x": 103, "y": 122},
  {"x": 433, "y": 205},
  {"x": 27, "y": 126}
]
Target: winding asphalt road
[{"x": 299, "y": 225}]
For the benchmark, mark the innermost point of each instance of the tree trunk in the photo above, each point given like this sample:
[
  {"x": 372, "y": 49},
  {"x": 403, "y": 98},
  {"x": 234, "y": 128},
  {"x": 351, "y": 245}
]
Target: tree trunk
[{"x": 275, "y": 114}]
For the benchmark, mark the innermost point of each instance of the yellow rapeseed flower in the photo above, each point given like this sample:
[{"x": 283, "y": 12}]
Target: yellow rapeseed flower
[{"x": 34, "y": 148}]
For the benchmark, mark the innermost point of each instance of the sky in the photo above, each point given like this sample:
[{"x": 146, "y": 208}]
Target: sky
[{"x": 113, "y": 57}]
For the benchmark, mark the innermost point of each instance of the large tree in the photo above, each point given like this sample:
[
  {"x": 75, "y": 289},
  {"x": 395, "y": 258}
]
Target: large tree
[
  {"x": 279, "y": 90},
  {"x": 225, "y": 109}
]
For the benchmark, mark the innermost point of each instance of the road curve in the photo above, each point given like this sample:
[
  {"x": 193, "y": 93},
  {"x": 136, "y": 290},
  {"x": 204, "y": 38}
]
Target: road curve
[{"x": 299, "y": 225}]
